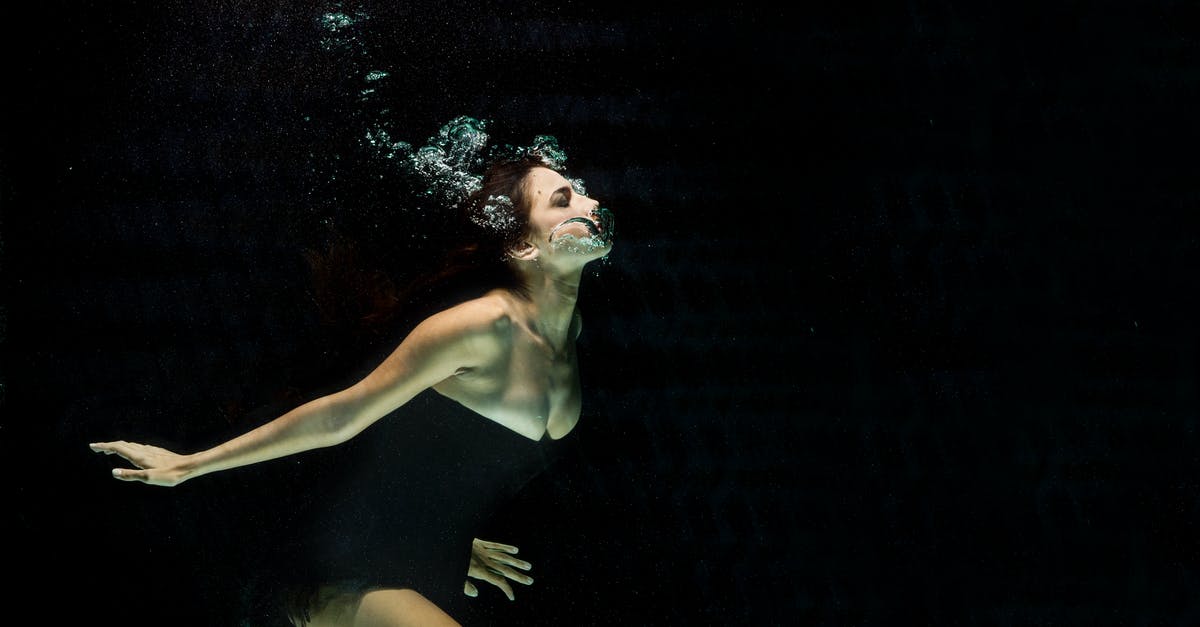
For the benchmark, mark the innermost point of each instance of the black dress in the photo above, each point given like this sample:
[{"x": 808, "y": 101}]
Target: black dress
[{"x": 409, "y": 497}]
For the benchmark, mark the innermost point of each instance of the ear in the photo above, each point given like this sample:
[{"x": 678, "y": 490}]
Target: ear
[{"x": 525, "y": 251}]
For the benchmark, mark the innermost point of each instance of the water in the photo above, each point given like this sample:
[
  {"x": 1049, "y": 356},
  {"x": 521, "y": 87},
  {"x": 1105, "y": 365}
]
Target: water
[
  {"x": 581, "y": 235},
  {"x": 498, "y": 214},
  {"x": 448, "y": 166}
]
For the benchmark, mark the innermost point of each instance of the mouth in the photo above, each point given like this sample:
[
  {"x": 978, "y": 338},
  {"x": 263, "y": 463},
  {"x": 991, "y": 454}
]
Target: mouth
[
  {"x": 599, "y": 227},
  {"x": 606, "y": 222},
  {"x": 592, "y": 228}
]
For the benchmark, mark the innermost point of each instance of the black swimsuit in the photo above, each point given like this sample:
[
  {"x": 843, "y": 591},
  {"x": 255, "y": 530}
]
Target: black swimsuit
[{"x": 404, "y": 509}]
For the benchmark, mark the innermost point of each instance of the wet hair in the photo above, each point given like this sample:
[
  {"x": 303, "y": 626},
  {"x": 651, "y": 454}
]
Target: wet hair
[
  {"x": 495, "y": 220},
  {"x": 366, "y": 293}
]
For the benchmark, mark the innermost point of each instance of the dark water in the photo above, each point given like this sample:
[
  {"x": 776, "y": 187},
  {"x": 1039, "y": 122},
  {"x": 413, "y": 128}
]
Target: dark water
[{"x": 900, "y": 328}]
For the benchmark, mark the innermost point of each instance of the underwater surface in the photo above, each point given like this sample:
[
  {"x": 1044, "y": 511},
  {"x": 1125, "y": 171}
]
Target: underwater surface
[{"x": 897, "y": 327}]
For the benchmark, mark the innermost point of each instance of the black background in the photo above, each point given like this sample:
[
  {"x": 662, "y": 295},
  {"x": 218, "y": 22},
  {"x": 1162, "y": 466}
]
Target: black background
[{"x": 899, "y": 328}]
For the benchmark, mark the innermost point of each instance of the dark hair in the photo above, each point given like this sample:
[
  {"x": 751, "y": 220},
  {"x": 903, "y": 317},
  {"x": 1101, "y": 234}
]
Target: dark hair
[{"x": 359, "y": 291}]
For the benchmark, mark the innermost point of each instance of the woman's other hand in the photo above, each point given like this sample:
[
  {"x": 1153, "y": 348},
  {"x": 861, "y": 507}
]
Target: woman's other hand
[
  {"x": 494, "y": 563},
  {"x": 157, "y": 465}
]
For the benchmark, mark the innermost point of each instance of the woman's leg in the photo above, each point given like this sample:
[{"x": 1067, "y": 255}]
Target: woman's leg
[
  {"x": 400, "y": 608},
  {"x": 387, "y": 607}
]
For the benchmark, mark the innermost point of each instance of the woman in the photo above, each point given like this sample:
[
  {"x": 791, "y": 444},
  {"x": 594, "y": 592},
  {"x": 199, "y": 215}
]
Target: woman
[{"x": 507, "y": 356}]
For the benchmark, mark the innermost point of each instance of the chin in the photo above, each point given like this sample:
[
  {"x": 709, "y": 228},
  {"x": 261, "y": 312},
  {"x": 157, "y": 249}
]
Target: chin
[
  {"x": 587, "y": 249},
  {"x": 599, "y": 252}
]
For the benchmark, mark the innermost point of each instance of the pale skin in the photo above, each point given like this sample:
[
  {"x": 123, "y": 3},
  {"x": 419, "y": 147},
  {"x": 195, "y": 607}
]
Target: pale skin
[{"x": 509, "y": 359}]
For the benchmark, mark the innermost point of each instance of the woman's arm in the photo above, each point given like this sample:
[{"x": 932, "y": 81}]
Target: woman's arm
[{"x": 454, "y": 339}]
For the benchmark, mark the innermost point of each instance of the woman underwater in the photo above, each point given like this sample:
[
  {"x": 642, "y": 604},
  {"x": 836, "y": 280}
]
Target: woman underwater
[{"x": 506, "y": 357}]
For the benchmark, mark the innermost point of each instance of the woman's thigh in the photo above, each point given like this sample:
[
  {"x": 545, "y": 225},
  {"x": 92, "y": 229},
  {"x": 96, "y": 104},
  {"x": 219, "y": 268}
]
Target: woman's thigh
[{"x": 385, "y": 607}]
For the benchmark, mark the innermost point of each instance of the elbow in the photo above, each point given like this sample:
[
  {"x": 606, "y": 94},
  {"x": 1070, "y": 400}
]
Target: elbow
[
  {"x": 339, "y": 429},
  {"x": 332, "y": 424},
  {"x": 344, "y": 417},
  {"x": 340, "y": 434}
]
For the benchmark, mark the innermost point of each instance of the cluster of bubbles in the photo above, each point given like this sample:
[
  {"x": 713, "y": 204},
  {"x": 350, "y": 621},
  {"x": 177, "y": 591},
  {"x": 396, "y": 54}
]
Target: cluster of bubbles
[
  {"x": 450, "y": 163},
  {"x": 582, "y": 235},
  {"x": 448, "y": 167},
  {"x": 573, "y": 244},
  {"x": 338, "y": 24},
  {"x": 497, "y": 214},
  {"x": 336, "y": 21}
]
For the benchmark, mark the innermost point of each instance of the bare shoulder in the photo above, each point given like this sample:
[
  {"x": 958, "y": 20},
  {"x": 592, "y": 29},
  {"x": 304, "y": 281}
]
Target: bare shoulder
[
  {"x": 486, "y": 319},
  {"x": 478, "y": 314}
]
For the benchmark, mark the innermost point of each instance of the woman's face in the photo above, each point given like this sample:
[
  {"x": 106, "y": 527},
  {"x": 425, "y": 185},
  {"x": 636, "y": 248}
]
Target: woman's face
[{"x": 565, "y": 226}]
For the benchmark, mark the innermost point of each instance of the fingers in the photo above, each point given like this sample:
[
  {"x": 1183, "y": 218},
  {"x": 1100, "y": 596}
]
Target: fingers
[
  {"x": 512, "y": 574},
  {"x": 129, "y": 474},
  {"x": 125, "y": 450},
  {"x": 128, "y": 450},
  {"x": 501, "y": 553},
  {"x": 499, "y": 558},
  {"x": 492, "y": 571},
  {"x": 108, "y": 448},
  {"x": 496, "y": 546},
  {"x": 511, "y": 561},
  {"x": 494, "y": 563},
  {"x": 498, "y": 580},
  {"x": 470, "y": 590}
]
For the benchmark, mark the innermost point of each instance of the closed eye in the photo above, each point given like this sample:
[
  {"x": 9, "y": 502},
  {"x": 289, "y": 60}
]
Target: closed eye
[{"x": 562, "y": 197}]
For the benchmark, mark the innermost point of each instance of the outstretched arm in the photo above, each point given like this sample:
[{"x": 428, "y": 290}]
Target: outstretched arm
[{"x": 436, "y": 349}]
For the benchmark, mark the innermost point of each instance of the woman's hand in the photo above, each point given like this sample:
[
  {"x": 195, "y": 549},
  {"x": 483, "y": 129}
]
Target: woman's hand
[
  {"x": 158, "y": 465},
  {"x": 494, "y": 563}
]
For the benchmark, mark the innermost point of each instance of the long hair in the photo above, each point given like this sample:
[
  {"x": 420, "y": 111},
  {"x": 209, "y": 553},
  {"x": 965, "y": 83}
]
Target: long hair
[{"x": 365, "y": 294}]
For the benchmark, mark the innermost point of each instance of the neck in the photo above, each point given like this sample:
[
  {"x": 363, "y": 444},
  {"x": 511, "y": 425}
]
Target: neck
[{"x": 552, "y": 297}]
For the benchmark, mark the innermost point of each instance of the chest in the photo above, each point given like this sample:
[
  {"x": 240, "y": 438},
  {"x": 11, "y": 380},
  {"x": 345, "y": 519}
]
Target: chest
[{"x": 530, "y": 390}]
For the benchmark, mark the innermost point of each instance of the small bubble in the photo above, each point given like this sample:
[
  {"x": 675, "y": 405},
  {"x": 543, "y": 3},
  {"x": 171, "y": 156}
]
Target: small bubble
[
  {"x": 579, "y": 245},
  {"x": 546, "y": 146},
  {"x": 497, "y": 214},
  {"x": 450, "y": 163},
  {"x": 336, "y": 21}
]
